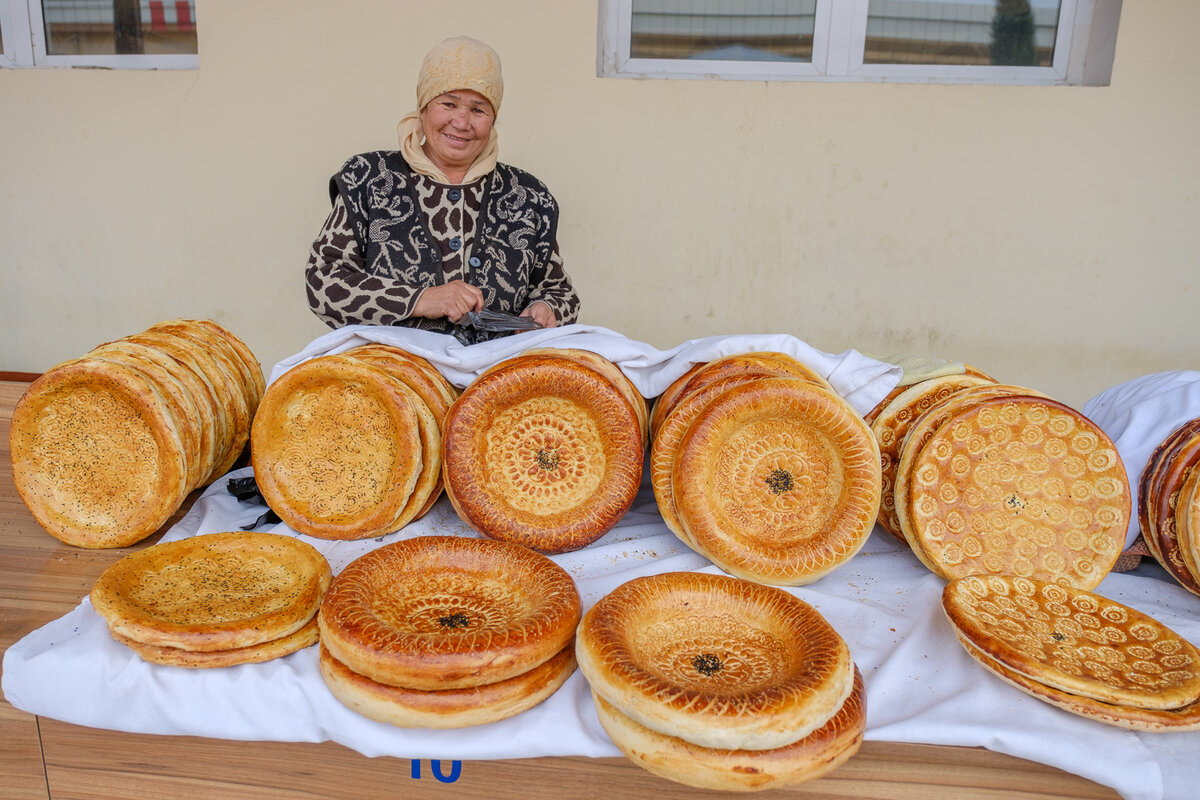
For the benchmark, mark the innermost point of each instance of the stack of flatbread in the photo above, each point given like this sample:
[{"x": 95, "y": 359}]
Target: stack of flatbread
[
  {"x": 546, "y": 449},
  {"x": 981, "y": 477},
  {"x": 1078, "y": 651},
  {"x": 215, "y": 600},
  {"x": 721, "y": 683},
  {"x": 1169, "y": 504},
  {"x": 761, "y": 467},
  {"x": 106, "y": 447},
  {"x": 448, "y": 632},
  {"x": 349, "y": 446}
]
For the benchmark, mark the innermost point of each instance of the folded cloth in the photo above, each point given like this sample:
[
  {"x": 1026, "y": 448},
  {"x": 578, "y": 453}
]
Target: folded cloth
[
  {"x": 863, "y": 381},
  {"x": 1139, "y": 415},
  {"x": 921, "y": 685}
]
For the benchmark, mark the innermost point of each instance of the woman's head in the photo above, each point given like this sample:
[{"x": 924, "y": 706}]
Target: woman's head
[{"x": 458, "y": 94}]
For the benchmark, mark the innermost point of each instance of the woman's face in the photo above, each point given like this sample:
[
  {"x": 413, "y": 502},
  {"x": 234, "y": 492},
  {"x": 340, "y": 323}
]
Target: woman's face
[{"x": 457, "y": 126}]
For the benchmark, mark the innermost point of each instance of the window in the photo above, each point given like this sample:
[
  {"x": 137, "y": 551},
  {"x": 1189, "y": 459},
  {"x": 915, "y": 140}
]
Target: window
[
  {"x": 1049, "y": 42},
  {"x": 118, "y": 34}
]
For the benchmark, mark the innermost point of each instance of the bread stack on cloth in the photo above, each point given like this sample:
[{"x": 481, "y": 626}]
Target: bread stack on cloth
[
  {"x": 349, "y": 446},
  {"x": 105, "y": 448},
  {"x": 1169, "y": 504},
  {"x": 546, "y": 449},
  {"x": 215, "y": 600},
  {"x": 982, "y": 477},
  {"x": 1078, "y": 651},
  {"x": 721, "y": 683},
  {"x": 448, "y": 631},
  {"x": 761, "y": 467}
]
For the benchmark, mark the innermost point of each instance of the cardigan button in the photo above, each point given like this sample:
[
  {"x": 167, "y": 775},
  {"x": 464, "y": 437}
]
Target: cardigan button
[
  {"x": 455, "y": 194},
  {"x": 474, "y": 261},
  {"x": 455, "y": 243}
]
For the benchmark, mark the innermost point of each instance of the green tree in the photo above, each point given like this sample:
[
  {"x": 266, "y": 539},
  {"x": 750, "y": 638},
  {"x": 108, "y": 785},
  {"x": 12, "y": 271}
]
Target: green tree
[{"x": 1012, "y": 34}]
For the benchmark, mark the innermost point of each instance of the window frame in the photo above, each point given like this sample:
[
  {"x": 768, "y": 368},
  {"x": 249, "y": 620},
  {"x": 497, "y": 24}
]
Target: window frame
[
  {"x": 1083, "y": 53},
  {"x": 22, "y": 25}
]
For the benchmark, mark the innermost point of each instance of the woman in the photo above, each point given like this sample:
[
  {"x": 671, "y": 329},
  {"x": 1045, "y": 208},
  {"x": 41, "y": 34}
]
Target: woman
[{"x": 424, "y": 235}]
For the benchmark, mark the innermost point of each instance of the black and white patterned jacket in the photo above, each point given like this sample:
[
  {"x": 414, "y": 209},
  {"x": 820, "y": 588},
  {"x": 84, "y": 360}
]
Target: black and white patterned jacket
[{"x": 393, "y": 233}]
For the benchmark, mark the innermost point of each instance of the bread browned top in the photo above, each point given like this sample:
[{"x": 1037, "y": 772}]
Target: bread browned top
[
  {"x": 440, "y": 612},
  {"x": 217, "y": 591},
  {"x": 1075, "y": 641},
  {"x": 719, "y": 661},
  {"x": 544, "y": 451},
  {"x": 777, "y": 480}
]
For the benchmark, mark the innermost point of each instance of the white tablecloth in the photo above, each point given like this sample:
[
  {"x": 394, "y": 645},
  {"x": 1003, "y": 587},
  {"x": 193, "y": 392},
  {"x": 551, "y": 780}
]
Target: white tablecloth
[{"x": 921, "y": 685}]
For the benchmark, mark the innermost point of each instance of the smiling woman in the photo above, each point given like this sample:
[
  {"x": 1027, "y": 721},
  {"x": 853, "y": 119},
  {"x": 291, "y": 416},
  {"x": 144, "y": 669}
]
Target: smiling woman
[{"x": 426, "y": 235}]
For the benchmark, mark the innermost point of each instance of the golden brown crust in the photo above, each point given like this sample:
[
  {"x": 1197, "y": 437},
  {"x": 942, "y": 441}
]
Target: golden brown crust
[
  {"x": 678, "y": 760},
  {"x": 666, "y": 444},
  {"x": 1162, "y": 534},
  {"x": 97, "y": 455},
  {"x": 1187, "y": 522},
  {"x": 337, "y": 449},
  {"x": 304, "y": 637},
  {"x": 217, "y": 591},
  {"x": 763, "y": 362},
  {"x": 892, "y": 423},
  {"x": 543, "y": 451},
  {"x": 1185, "y": 718},
  {"x": 718, "y": 661},
  {"x": 609, "y": 370},
  {"x": 777, "y": 480},
  {"x": 663, "y": 404},
  {"x": 1075, "y": 641},
  {"x": 442, "y": 612},
  {"x": 1021, "y": 485},
  {"x": 446, "y": 708}
]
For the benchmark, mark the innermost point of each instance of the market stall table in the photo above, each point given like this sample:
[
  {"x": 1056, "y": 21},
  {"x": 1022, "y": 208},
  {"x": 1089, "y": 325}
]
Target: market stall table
[{"x": 44, "y": 580}]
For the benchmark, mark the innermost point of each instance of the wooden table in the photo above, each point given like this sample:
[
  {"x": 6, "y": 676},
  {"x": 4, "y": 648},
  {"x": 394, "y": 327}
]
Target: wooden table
[{"x": 42, "y": 758}]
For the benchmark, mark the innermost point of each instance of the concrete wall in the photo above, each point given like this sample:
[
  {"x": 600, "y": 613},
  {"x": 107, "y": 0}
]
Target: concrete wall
[{"x": 1044, "y": 234}]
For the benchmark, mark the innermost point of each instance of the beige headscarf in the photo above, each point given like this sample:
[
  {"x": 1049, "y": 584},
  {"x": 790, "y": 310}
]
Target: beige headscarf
[{"x": 456, "y": 63}]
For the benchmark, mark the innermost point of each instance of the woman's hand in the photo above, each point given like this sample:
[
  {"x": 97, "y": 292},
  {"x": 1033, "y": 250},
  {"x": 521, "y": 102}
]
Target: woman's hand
[
  {"x": 451, "y": 300},
  {"x": 540, "y": 313}
]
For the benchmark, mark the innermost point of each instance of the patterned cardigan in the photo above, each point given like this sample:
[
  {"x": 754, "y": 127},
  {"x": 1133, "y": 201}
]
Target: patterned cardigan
[{"x": 386, "y": 241}]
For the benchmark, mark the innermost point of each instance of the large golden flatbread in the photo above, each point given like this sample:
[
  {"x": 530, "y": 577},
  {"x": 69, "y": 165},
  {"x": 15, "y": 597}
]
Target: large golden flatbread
[
  {"x": 670, "y": 757},
  {"x": 337, "y": 448},
  {"x": 1075, "y": 641},
  {"x": 1164, "y": 489},
  {"x": 1187, "y": 522},
  {"x": 448, "y": 612},
  {"x": 715, "y": 660},
  {"x": 217, "y": 591},
  {"x": 97, "y": 454},
  {"x": 1185, "y": 718},
  {"x": 543, "y": 451},
  {"x": 1017, "y": 485},
  {"x": 446, "y": 708},
  {"x": 778, "y": 481},
  {"x": 269, "y": 650},
  {"x": 892, "y": 423}
]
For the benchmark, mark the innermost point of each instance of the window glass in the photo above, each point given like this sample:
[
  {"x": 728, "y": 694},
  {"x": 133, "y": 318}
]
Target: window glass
[
  {"x": 973, "y": 32},
  {"x": 723, "y": 30},
  {"x": 118, "y": 27}
]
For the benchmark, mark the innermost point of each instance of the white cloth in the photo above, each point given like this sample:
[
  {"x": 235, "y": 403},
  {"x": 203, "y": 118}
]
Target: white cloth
[
  {"x": 921, "y": 685},
  {"x": 1139, "y": 415}
]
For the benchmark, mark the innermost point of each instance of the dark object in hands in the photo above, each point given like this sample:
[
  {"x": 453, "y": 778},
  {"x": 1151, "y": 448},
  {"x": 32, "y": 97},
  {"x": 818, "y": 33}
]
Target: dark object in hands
[{"x": 486, "y": 321}]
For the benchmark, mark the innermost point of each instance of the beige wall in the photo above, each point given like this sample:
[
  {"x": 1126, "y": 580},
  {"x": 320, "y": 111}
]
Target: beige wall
[{"x": 1046, "y": 235}]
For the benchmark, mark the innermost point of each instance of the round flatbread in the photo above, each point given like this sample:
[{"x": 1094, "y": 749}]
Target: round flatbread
[
  {"x": 778, "y": 481},
  {"x": 337, "y": 448},
  {"x": 543, "y": 451},
  {"x": 1185, "y": 718},
  {"x": 1017, "y": 485},
  {"x": 306, "y": 636},
  {"x": 892, "y": 423},
  {"x": 1075, "y": 641},
  {"x": 715, "y": 660},
  {"x": 218, "y": 591},
  {"x": 1165, "y": 496},
  {"x": 448, "y": 612},
  {"x": 610, "y": 371},
  {"x": 97, "y": 455},
  {"x": 446, "y": 708},
  {"x": 670, "y": 757}
]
